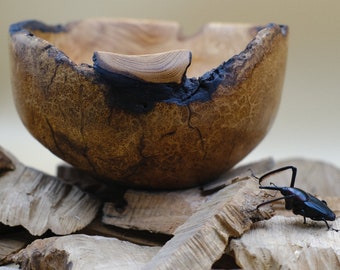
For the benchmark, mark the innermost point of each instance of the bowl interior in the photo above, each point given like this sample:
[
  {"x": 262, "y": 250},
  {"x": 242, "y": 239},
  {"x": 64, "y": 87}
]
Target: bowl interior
[{"x": 210, "y": 46}]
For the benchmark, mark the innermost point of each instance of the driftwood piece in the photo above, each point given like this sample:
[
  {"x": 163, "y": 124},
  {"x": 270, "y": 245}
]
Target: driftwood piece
[
  {"x": 202, "y": 239},
  {"x": 163, "y": 212},
  {"x": 83, "y": 252},
  {"x": 39, "y": 202},
  {"x": 160, "y": 212},
  {"x": 208, "y": 222},
  {"x": 287, "y": 243}
]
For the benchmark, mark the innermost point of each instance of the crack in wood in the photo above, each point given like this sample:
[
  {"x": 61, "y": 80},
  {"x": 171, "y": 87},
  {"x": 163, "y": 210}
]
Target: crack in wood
[{"x": 198, "y": 131}]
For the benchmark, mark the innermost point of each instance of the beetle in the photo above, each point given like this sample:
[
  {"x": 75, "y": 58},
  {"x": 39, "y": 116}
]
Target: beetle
[{"x": 301, "y": 202}]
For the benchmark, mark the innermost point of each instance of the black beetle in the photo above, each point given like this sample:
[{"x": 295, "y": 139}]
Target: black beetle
[{"x": 301, "y": 202}]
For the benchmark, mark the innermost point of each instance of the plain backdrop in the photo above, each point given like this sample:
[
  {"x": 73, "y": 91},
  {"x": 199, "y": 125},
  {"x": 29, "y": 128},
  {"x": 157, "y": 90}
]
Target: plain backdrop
[{"x": 308, "y": 122}]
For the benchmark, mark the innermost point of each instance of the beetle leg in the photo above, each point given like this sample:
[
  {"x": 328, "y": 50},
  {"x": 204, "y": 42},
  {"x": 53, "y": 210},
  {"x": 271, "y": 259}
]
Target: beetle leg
[
  {"x": 302, "y": 213},
  {"x": 334, "y": 229},
  {"x": 329, "y": 227},
  {"x": 326, "y": 223}
]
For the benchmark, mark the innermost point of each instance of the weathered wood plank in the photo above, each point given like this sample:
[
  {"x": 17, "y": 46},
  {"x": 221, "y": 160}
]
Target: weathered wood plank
[
  {"x": 163, "y": 212},
  {"x": 153, "y": 211},
  {"x": 39, "y": 202},
  {"x": 287, "y": 243},
  {"x": 202, "y": 239},
  {"x": 78, "y": 252}
]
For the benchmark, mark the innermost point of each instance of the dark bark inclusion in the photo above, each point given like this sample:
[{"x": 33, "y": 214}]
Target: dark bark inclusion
[
  {"x": 34, "y": 25},
  {"x": 136, "y": 96}
]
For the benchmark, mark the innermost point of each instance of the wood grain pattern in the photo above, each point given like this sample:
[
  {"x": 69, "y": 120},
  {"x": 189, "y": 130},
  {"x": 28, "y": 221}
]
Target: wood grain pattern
[
  {"x": 40, "y": 202},
  {"x": 163, "y": 212},
  {"x": 287, "y": 243},
  {"x": 167, "y": 67},
  {"x": 223, "y": 224},
  {"x": 202, "y": 239},
  {"x": 78, "y": 252}
]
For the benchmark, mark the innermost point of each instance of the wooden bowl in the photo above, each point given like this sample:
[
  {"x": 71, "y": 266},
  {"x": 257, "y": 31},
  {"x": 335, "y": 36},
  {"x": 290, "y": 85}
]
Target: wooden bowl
[{"x": 138, "y": 103}]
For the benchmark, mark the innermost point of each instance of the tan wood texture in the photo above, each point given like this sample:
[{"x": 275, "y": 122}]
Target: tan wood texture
[{"x": 40, "y": 202}]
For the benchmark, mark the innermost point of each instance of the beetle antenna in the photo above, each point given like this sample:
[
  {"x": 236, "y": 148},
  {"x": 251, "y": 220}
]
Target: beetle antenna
[
  {"x": 274, "y": 200},
  {"x": 294, "y": 171},
  {"x": 275, "y": 191}
]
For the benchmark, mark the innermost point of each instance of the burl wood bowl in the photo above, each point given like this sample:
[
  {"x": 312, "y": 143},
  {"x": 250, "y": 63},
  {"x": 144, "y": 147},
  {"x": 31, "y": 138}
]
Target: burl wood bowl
[{"x": 139, "y": 103}]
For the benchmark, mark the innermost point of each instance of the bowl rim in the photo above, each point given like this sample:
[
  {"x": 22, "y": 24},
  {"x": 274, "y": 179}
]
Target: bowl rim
[{"x": 195, "y": 89}]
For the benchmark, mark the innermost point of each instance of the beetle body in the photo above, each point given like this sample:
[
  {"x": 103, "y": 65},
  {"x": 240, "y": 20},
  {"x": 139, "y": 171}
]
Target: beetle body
[{"x": 299, "y": 201}]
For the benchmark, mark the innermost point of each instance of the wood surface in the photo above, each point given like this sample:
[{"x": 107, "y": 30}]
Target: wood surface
[
  {"x": 79, "y": 252},
  {"x": 215, "y": 226},
  {"x": 286, "y": 243},
  {"x": 40, "y": 202},
  {"x": 202, "y": 239},
  {"x": 164, "y": 211}
]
